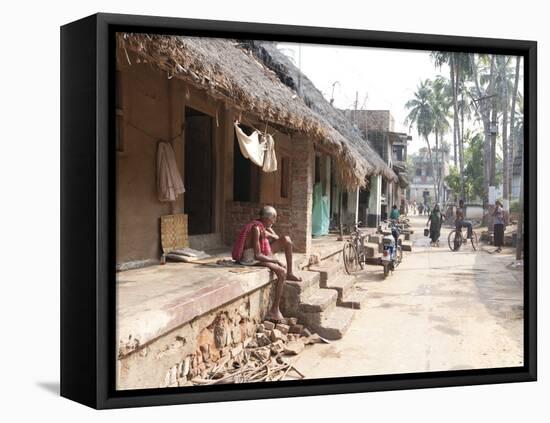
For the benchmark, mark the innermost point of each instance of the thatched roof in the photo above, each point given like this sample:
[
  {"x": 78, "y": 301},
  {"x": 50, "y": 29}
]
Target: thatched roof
[
  {"x": 291, "y": 75},
  {"x": 401, "y": 169},
  {"x": 233, "y": 74}
]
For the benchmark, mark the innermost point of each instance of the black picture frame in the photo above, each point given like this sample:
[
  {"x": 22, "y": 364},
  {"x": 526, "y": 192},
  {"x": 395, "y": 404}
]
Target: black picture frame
[{"x": 87, "y": 213}]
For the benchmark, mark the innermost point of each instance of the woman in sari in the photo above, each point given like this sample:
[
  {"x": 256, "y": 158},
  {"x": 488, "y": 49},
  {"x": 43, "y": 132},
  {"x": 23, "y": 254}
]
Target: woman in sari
[
  {"x": 435, "y": 221},
  {"x": 498, "y": 226}
]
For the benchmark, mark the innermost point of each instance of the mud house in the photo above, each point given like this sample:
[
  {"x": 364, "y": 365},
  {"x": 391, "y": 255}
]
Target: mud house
[
  {"x": 344, "y": 199},
  {"x": 377, "y": 127},
  {"x": 188, "y": 92}
]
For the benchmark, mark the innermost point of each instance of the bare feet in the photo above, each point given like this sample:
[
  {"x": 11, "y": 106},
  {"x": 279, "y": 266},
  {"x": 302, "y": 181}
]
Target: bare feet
[
  {"x": 293, "y": 277},
  {"x": 274, "y": 316}
]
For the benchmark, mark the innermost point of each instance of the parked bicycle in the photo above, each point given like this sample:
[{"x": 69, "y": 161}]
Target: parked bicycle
[
  {"x": 459, "y": 237},
  {"x": 354, "y": 252}
]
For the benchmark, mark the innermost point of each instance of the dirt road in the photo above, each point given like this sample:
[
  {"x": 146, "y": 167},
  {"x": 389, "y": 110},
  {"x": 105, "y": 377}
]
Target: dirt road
[{"x": 440, "y": 310}]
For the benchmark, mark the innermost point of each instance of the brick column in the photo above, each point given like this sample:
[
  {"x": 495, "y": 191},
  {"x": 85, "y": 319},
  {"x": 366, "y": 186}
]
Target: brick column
[{"x": 303, "y": 159}]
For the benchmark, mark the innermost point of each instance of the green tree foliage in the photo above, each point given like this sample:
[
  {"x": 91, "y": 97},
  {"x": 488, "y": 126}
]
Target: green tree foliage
[{"x": 473, "y": 168}]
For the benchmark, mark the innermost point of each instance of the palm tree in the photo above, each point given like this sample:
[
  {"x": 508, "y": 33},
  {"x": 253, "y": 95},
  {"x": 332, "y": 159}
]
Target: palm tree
[
  {"x": 508, "y": 175},
  {"x": 460, "y": 70},
  {"x": 485, "y": 102},
  {"x": 421, "y": 114},
  {"x": 440, "y": 101}
]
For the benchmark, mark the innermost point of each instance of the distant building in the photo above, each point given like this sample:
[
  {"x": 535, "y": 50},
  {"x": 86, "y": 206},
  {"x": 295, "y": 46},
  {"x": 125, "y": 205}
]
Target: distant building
[{"x": 422, "y": 188}]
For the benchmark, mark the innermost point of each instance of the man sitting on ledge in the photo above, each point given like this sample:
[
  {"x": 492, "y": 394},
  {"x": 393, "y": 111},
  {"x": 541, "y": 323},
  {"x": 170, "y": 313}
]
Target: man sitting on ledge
[{"x": 255, "y": 246}]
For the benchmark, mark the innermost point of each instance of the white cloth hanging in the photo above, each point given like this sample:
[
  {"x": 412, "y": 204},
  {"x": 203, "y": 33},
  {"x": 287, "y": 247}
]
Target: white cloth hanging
[
  {"x": 169, "y": 182},
  {"x": 258, "y": 148},
  {"x": 250, "y": 146},
  {"x": 270, "y": 158}
]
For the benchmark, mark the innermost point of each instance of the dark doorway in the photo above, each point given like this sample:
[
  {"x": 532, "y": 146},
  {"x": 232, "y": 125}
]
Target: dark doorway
[
  {"x": 199, "y": 172},
  {"x": 246, "y": 175}
]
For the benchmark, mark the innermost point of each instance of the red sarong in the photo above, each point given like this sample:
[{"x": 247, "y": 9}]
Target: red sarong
[{"x": 238, "y": 248}]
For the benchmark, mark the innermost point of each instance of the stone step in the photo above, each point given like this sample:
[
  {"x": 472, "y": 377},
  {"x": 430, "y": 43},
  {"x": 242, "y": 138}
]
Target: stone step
[
  {"x": 341, "y": 283},
  {"x": 371, "y": 249},
  {"x": 327, "y": 270},
  {"x": 355, "y": 299},
  {"x": 309, "y": 280},
  {"x": 376, "y": 239},
  {"x": 334, "y": 324},
  {"x": 294, "y": 292},
  {"x": 318, "y": 300}
]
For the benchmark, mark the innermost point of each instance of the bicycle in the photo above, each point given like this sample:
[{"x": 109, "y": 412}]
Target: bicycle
[
  {"x": 457, "y": 237},
  {"x": 354, "y": 252},
  {"x": 355, "y": 255}
]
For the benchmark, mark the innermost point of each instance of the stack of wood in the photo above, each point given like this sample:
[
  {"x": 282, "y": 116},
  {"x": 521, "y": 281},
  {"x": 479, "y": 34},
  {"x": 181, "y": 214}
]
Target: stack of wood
[{"x": 269, "y": 355}]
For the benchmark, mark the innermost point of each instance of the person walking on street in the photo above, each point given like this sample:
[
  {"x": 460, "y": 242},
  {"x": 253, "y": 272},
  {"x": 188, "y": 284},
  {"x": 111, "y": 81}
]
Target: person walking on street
[
  {"x": 435, "y": 221},
  {"x": 498, "y": 226},
  {"x": 394, "y": 214}
]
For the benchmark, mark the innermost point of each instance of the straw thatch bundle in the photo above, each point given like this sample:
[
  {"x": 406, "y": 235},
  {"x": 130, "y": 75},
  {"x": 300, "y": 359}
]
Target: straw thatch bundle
[{"x": 235, "y": 75}]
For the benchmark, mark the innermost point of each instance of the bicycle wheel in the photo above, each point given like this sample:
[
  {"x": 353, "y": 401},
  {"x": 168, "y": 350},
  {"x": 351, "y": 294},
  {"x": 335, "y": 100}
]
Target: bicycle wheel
[
  {"x": 475, "y": 241},
  {"x": 361, "y": 256},
  {"x": 351, "y": 258},
  {"x": 455, "y": 240}
]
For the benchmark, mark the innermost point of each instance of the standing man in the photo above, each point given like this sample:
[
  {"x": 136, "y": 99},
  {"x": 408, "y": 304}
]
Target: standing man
[{"x": 255, "y": 246}]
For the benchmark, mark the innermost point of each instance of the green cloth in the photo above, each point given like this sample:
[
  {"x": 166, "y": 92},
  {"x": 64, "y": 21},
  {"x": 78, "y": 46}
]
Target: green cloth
[
  {"x": 320, "y": 214},
  {"x": 394, "y": 214},
  {"x": 436, "y": 220}
]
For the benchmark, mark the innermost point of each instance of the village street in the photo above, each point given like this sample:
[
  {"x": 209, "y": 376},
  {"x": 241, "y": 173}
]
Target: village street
[{"x": 440, "y": 310}]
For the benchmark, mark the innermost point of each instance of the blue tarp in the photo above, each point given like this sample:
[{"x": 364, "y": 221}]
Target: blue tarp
[{"x": 320, "y": 214}]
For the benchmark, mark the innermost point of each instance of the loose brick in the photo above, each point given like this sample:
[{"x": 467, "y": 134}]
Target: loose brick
[
  {"x": 269, "y": 325},
  {"x": 276, "y": 335},
  {"x": 294, "y": 348},
  {"x": 282, "y": 328},
  {"x": 296, "y": 329}
]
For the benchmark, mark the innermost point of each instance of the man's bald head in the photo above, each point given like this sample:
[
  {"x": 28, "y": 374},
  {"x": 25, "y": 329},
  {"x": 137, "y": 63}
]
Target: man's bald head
[{"x": 268, "y": 212}]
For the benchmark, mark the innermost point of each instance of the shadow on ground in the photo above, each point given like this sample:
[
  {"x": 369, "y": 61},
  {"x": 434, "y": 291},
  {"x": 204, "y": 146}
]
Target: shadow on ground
[{"x": 51, "y": 387}]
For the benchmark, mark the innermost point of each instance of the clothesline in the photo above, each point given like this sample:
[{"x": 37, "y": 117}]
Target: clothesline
[
  {"x": 247, "y": 122},
  {"x": 144, "y": 132}
]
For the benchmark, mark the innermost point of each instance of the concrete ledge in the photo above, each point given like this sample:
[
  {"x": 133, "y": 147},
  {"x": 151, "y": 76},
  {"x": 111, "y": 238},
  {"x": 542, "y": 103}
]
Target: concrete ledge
[
  {"x": 154, "y": 300},
  {"x": 158, "y": 299}
]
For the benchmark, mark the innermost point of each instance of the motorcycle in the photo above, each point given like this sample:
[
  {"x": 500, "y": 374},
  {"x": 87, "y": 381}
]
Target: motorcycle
[{"x": 392, "y": 254}]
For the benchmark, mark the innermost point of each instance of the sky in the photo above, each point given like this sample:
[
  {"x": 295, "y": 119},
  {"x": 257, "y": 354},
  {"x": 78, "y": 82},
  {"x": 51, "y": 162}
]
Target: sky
[{"x": 385, "y": 79}]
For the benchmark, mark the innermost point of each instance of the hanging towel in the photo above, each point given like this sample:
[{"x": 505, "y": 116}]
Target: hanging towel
[
  {"x": 169, "y": 183},
  {"x": 270, "y": 159},
  {"x": 238, "y": 248},
  {"x": 250, "y": 146}
]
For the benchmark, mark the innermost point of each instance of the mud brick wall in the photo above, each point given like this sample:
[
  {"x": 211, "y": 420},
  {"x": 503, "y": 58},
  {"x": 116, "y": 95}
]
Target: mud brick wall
[
  {"x": 237, "y": 214},
  {"x": 303, "y": 163},
  {"x": 195, "y": 347},
  {"x": 379, "y": 120},
  {"x": 293, "y": 219}
]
